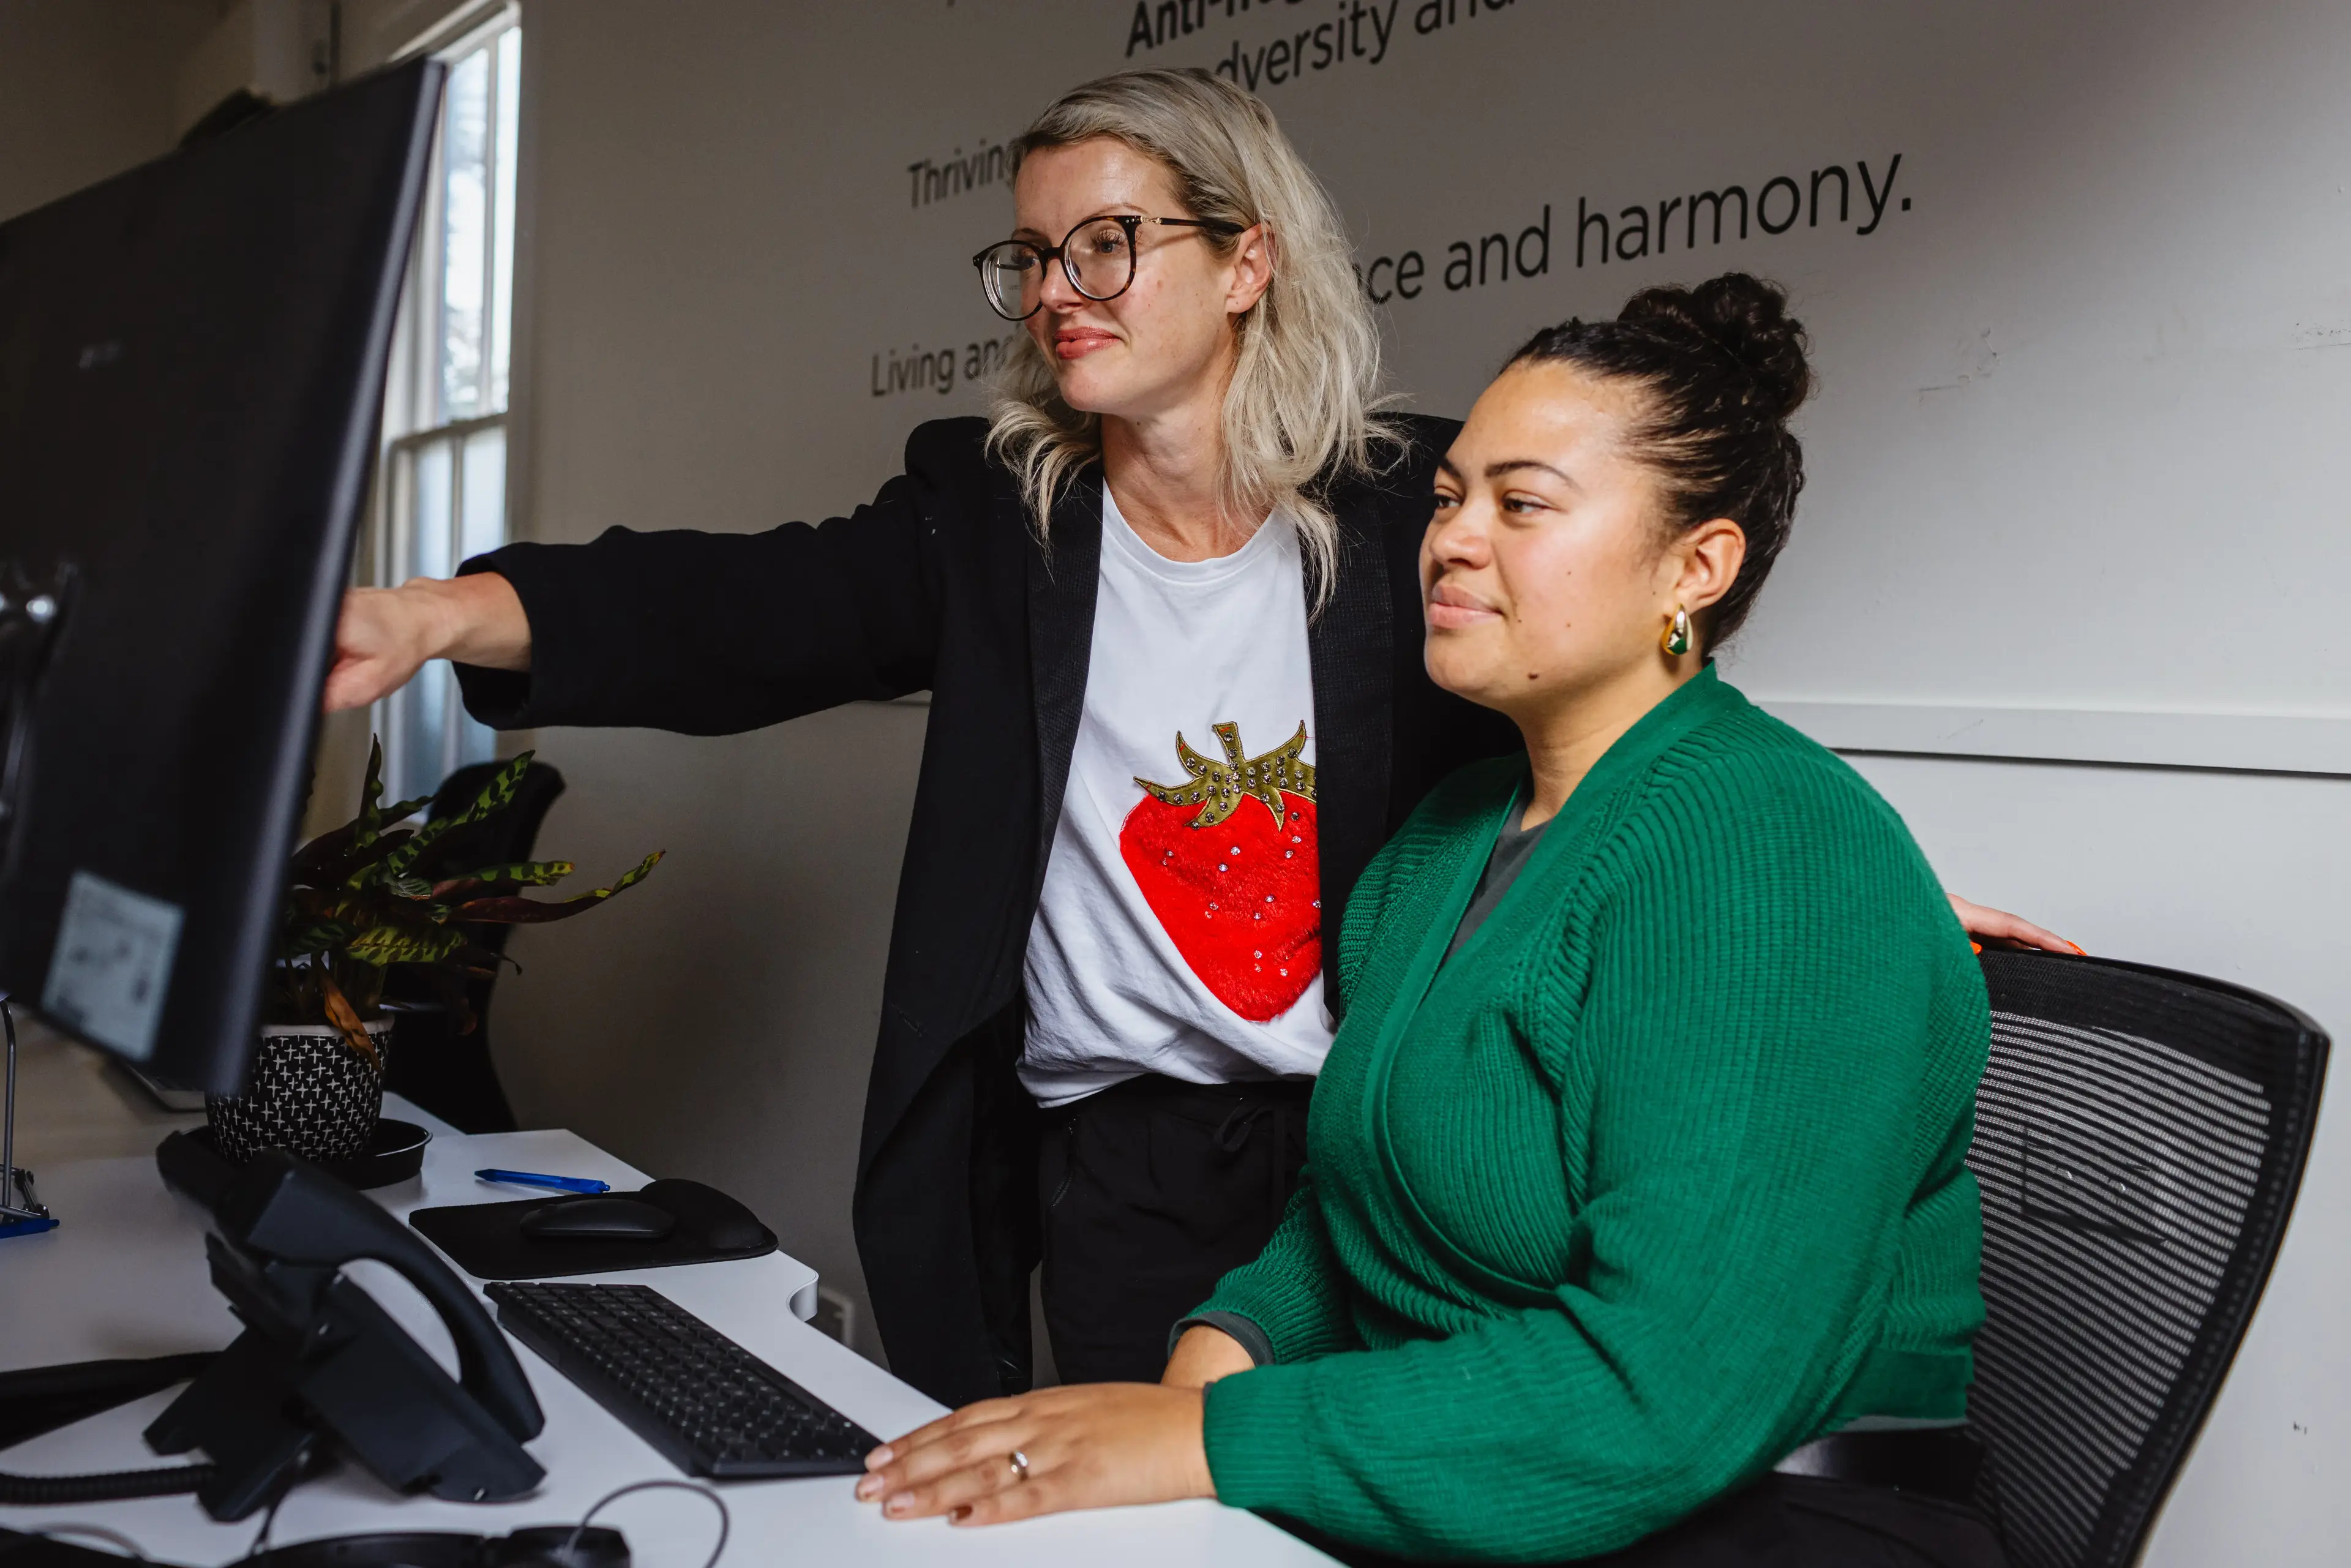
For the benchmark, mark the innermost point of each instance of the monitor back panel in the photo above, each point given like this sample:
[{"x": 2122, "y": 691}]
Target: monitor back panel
[{"x": 192, "y": 361}]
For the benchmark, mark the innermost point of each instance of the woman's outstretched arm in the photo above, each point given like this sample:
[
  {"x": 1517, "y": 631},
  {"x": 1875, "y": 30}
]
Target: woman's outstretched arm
[{"x": 702, "y": 634}]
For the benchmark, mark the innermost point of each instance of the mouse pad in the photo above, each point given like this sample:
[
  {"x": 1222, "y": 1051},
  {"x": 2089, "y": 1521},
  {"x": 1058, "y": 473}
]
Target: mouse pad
[{"x": 487, "y": 1243}]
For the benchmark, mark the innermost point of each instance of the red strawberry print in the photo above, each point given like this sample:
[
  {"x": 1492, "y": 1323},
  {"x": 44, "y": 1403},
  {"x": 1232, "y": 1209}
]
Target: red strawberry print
[{"x": 1228, "y": 863}]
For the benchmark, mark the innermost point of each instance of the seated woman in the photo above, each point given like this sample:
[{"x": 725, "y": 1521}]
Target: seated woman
[{"x": 1636, "y": 1218}]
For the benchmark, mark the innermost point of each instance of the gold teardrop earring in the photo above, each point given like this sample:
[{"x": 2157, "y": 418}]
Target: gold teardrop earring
[{"x": 1677, "y": 639}]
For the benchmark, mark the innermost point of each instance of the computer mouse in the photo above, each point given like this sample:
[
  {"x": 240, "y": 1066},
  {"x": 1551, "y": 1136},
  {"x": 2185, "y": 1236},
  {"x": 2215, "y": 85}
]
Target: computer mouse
[
  {"x": 598, "y": 1219},
  {"x": 711, "y": 1215}
]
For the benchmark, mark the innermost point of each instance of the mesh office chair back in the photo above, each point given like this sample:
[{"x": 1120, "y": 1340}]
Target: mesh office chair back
[{"x": 2139, "y": 1138}]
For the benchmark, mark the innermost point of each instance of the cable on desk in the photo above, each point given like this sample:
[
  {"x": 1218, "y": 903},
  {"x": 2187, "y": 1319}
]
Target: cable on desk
[
  {"x": 112, "y": 1537},
  {"x": 726, "y": 1523},
  {"x": 47, "y": 1491},
  {"x": 268, "y": 1522}
]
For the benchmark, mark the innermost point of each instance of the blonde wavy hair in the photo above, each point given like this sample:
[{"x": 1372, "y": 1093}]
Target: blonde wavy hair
[{"x": 1302, "y": 408}]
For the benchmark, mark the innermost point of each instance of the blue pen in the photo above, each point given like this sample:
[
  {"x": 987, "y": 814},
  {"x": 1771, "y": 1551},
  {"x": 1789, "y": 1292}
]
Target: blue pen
[{"x": 561, "y": 1184}]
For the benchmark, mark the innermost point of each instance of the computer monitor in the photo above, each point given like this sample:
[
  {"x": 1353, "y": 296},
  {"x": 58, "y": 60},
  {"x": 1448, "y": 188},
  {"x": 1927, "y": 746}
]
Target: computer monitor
[{"x": 192, "y": 362}]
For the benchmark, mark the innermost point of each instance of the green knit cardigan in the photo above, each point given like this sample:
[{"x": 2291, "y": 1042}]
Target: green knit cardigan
[{"x": 1658, "y": 1177}]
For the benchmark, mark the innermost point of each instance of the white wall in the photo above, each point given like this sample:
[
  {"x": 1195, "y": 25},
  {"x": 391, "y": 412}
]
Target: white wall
[
  {"x": 2074, "y": 488},
  {"x": 86, "y": 89}
]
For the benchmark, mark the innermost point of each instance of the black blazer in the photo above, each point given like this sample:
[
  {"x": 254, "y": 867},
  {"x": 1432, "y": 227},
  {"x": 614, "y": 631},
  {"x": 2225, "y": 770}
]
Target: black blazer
[{"x": 941, "y": 584}]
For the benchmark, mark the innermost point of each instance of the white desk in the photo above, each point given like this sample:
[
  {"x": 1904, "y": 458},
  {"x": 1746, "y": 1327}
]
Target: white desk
[{"x": 124, "y": 1275}]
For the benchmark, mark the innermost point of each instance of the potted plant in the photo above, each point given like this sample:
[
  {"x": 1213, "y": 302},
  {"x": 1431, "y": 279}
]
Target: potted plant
[{"x": 356, "y": 906}]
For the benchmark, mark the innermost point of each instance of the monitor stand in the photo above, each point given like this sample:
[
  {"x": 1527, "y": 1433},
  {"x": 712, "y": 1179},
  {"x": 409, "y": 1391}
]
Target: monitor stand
[{"x": 21, "y": 1212}]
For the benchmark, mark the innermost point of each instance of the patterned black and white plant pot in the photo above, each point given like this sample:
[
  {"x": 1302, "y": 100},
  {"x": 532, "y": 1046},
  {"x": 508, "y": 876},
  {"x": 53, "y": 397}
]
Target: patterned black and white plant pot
[{"x": 311, "y": 1094}]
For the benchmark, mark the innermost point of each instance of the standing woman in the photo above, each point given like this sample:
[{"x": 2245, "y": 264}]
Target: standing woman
[{"x": 1166, "y": 602}]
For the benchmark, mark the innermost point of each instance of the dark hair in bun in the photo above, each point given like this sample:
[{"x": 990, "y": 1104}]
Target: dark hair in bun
[{"x": 1723, "y": 368}]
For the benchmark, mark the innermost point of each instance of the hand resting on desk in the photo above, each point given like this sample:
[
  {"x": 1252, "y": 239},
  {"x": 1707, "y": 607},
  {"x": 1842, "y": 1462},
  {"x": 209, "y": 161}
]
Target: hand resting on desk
[
  {"x": 1096, "y": 1445},
  {"x": 1093, "y": 1445}
]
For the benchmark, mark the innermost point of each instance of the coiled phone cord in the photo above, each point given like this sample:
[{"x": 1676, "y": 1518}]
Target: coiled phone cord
[{"x": 43, "y": 1491}]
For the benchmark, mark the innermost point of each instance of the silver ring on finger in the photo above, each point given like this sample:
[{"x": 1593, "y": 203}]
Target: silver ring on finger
[{"x": 1019, "y": 1466}]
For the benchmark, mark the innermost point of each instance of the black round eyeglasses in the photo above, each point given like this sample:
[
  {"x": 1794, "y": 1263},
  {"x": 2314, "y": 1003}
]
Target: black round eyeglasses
[{"x": 1097, "y": 256}]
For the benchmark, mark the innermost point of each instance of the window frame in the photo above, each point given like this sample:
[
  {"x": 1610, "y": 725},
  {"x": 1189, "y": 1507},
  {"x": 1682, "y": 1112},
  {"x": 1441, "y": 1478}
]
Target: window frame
[{"x": 415, "y": 418}]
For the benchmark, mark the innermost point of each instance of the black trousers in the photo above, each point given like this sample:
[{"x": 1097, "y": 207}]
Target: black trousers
[
  {"x": 1784, "y": 1521},
  {"x": 1151, "y": 1192}
]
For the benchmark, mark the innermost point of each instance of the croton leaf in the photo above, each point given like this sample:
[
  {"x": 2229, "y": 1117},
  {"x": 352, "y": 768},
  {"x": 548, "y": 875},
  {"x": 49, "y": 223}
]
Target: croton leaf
[
  {"x": 402, "y": 915},
  {"x": 315, "y": 900},
  {"x": 516, "y": 911},
  {"x": 356, "y": 902},
  {"x": 374, "y": 813},
  {"x": 401, "y": 810},
  {"x": 369, "y": 823},
  {"x": 321, "y": 937},
  {"x": 365, "y": 867},
  {"x": 346, "y": 1017},
  {"x": 391, "y": 840},
  {"x": 493, "y": 798},
  {"x": 384, "y": 945},
  {"x": 522, "y": 873}
]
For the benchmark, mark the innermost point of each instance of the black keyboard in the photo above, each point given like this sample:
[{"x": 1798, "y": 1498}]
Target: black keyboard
[{"x": 712, "y": 1408}]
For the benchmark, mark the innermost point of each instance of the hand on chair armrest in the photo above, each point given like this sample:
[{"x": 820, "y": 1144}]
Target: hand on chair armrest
[{"x": 2000, "y": 927}]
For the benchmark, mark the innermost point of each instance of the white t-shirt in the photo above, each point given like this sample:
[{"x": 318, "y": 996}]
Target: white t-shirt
[{"x": 1180, "y": 930}]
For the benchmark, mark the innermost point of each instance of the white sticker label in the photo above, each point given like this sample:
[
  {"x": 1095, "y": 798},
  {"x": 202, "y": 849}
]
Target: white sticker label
[{"x": 112, "y": 966}]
